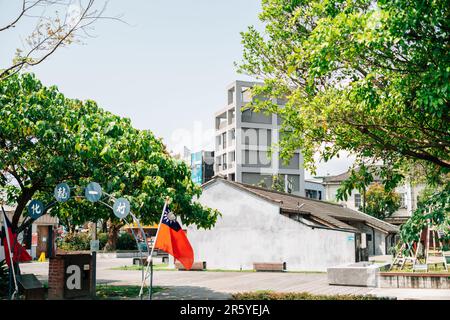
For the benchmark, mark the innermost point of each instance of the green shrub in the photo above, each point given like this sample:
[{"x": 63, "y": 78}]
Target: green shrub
[
  {"x": 103, "y": 239},
  {"x": 270, "y": 295},
  {"x": 126, "y": 242},
  {"x": 75, "y": 242}
]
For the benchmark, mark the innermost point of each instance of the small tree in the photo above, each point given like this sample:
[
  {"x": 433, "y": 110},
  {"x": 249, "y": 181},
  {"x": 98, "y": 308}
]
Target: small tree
[
  {"x": 380, "y": 203},
  {"x": 277, "y": 183}
]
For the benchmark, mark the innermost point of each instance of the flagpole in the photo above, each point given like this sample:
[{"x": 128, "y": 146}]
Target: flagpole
[
  {"x": 10, "y": 254},
  {"x": 150, "y": 258}
]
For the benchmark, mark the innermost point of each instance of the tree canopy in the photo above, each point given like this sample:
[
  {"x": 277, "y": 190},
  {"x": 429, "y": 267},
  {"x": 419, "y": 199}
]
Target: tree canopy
[
  {"x": 47, "y": 138},
  {"x": 368, "y": 77},
  {"x": 380, "y": 203}
]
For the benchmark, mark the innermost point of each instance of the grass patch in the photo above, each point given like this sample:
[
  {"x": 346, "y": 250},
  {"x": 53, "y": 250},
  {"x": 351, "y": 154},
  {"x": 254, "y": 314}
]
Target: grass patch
[
  {"x": 107, "y": 292},
  {"x": 270, "y": 295}
]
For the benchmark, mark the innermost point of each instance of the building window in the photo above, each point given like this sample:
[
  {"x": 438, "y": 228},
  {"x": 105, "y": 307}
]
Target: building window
[
  {"x": 403, "y": 200},
  {"x": 293, "y": 183},
  {"x": 224, "y": 140},
  {"x": 224, "y": 161},
  {"x": 368, "y": 237},
  {"x": 231, "y": 96},
  {"x": 294, "y": 162},
  {"x": 256, "y": 117},
  {"x": 357, "y": 201}
]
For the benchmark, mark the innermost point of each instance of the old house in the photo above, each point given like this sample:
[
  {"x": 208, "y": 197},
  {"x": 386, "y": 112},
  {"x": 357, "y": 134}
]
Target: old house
[{"x": 260, "y": 225}]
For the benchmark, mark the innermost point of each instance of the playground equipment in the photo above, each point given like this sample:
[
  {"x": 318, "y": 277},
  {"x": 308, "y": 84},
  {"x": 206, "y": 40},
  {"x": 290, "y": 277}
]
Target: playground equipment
[{"x": 427, "y": 251}]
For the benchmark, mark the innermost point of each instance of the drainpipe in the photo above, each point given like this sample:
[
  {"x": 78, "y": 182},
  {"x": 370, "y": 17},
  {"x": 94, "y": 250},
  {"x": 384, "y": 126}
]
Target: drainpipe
[
  {"x": 373, "y": 240},
  {"x": 386, "y": 244}
]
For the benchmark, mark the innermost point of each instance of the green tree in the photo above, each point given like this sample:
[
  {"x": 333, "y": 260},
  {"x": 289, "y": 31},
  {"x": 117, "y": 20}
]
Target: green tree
[
  {"x": 433, "y": 210},
  {"x": 368, "y": 77},
  {"x": 277, "y": 183},
  {"x": 46, "y": 139},
  {"x": 380, "y": 203},
  {"x": 360, "y": 178}
]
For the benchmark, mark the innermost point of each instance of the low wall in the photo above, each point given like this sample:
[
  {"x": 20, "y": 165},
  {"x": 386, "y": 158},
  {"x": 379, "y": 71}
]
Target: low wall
[
  {"x": 414, "y": 280},
  {"x": 130, "y": 254}
]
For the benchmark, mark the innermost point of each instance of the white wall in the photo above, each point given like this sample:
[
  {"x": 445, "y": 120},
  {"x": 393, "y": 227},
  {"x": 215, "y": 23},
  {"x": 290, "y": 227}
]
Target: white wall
[{"x": 252, "y": 230}]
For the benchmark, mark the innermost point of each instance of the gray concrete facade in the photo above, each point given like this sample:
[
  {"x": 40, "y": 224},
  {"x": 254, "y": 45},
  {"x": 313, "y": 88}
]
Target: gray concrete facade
[
  {"x": 243, "y": 140},
  {"x": 252, "y": 229}
]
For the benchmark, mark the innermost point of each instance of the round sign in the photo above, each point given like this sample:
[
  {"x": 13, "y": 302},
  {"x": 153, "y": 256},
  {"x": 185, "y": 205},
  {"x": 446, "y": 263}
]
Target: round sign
[
  {"x": 93, "y": 192},
  {"x": 121, "y": 208},
  {"x": 35, "y": 209},
  {"x": 62, "y": 192}
]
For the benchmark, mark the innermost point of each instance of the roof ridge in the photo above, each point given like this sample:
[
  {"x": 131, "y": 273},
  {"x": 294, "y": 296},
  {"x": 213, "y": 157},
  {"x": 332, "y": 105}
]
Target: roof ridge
[{"x": 286, "y": 194}]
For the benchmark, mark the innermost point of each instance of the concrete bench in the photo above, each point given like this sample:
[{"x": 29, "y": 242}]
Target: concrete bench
[
  {"x": 196, "y": 266},
  {"x": 269, "y": 266},
  {"x": 140, "y": 261}
]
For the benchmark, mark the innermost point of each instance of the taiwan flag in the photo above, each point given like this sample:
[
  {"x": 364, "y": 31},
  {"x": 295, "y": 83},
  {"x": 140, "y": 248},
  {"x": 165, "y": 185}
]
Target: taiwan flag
[
  {"x": 20, "y": 254},
  {"x": 172, "y": 239}
]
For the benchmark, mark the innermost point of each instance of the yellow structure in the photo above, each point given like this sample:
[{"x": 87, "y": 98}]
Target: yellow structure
[{"x": 42, "y": 257}]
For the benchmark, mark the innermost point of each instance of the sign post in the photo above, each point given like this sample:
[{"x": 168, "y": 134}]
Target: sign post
[{"x": 93, "y": 193}]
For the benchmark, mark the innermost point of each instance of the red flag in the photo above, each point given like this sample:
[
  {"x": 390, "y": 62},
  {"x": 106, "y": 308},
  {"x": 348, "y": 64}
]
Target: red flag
[
  {"x": 172, "y": 239},
  {"x": 20, "y": 254}
]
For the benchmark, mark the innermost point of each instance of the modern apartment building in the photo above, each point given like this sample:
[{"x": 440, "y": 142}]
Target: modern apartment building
[
  {"x": 314, "y": 190},
  {"x": 202, "y": 166},
  {"x": 243, "y": 140},
  {"x": 200, "y": 162}
]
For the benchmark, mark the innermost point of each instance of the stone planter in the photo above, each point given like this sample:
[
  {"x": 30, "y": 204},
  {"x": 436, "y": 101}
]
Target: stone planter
[{"x": 364, "y": 274}]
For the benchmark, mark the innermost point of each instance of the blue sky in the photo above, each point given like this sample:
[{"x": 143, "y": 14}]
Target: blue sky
[{"x": 167, "y": 70}]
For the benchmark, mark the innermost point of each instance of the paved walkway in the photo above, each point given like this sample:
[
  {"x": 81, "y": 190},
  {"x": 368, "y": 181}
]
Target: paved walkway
[{"x": 220, "y": 285}]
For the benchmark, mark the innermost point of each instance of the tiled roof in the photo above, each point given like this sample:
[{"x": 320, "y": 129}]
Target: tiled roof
[
  {"x": 344, "y": 176},
  {"x": 329, "y": 213}
]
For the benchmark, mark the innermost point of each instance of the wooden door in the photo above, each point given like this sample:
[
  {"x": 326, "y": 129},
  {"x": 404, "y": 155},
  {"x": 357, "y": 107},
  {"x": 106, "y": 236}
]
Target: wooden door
[{"x": 43, "y": 240}]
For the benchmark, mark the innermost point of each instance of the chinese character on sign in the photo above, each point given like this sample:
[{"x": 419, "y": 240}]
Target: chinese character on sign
[
  {"x": 35, "y": 209},
  {"x": 121, "y": 208},
  {"x": 62, "y": 192}
]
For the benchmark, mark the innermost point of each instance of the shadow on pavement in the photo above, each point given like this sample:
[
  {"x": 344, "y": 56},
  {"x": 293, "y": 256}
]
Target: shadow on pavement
[{"x": 190, "y": 293}]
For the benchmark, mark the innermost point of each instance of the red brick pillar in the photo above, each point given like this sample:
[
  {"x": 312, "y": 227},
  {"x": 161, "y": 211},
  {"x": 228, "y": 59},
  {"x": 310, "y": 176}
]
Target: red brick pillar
[{"x": 56, "y": 278}]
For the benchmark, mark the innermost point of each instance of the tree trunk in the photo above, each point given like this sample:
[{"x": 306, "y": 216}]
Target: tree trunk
[
  {"x": 22, "y": 201},
  {"x": 113, "y": 235}
]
